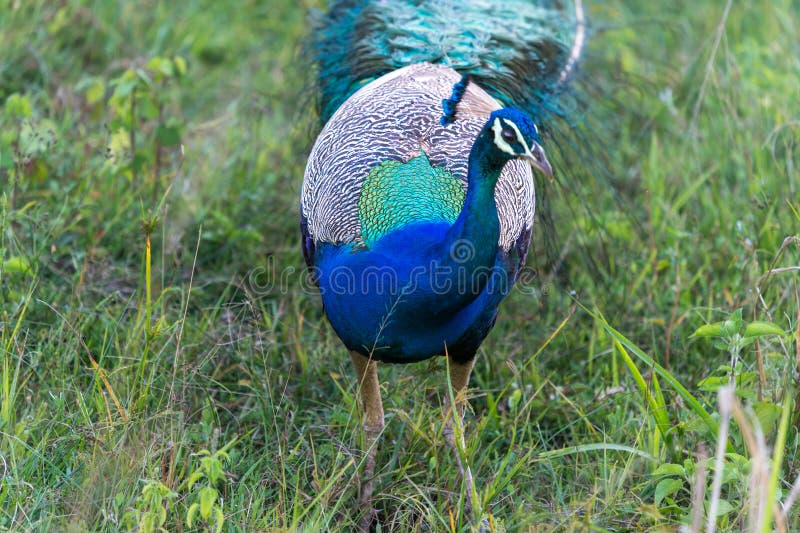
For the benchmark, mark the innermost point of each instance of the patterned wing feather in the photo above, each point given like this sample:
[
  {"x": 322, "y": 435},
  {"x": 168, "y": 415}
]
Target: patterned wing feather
[{"x": 395, "y": 118}]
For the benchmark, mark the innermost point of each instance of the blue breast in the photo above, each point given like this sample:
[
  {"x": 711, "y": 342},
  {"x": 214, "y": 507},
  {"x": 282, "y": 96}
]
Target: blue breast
[{"x": 395, "y": 300}]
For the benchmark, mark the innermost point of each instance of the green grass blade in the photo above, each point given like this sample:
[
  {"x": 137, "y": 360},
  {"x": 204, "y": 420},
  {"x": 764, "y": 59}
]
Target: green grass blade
[
  {"x": 655, "y": 403},
  {"x": 688, "y": 397},
  {"x": 595, "y": 447},
  {"x": 777, "y": 462}
]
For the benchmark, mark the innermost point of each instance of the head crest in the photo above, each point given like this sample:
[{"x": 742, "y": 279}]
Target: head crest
[{"x": 449, "y": 104}]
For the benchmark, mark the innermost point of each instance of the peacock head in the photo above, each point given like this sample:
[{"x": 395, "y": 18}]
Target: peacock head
[{"x": 515, "y": 136}]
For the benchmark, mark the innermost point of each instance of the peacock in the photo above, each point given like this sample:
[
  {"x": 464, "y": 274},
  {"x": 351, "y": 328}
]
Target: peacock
[{"x": 417, "y": 202}]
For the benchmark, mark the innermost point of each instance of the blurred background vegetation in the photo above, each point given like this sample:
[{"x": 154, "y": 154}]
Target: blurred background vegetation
[{"x": 165, "y": 363}]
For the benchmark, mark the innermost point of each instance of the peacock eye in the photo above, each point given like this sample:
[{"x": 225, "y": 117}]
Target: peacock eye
[{"x": 508, "y": 135}]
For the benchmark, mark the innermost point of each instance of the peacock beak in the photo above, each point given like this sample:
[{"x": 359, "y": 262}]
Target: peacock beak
[{"x": 539, "y": 161}]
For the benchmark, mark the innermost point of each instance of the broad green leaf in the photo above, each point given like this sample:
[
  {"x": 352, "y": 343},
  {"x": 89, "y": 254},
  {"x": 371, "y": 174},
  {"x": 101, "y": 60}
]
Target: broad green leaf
[
  {"x": 154, "y": 63},
  {"x": 214, "y": 470},
  {"x": 208, "y": 497},
  {"x": 167, "y": 68},
  {"x": 713, "y": 383},
  {"x": 709, "y": 330},
  {"x": 194, "y": 477},
  {"x": 724, "y": 508},
  {"x": 219, "y": 518},
  {"x": 146, "y": 107},
  {"x": 191, "y": 513},
  {"x": 761, "y": 329},
  {"x": 668, "y": 469},
  {"x": 667, "y": 487},
  {"x": 148, "y": 523},
  {"x": 180, "y": 65},
  {"x": 16, "y": 265},
  {"x": 767, "y": 414}
]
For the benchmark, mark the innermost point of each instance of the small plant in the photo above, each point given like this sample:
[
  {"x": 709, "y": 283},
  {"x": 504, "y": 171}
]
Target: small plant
[
  {"x": 208, "y": 501},
  {"x": 733, "y": 335},
  {"x": 150, "y": 513}
]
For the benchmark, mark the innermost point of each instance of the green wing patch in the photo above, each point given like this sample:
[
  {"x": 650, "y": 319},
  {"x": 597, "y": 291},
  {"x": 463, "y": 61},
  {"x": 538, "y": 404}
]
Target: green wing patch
[{"x": 396, "y": 194}]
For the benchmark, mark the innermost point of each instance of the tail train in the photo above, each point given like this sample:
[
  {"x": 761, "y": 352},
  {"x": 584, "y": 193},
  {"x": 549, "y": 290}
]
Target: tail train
[{"x": 521, "y": 52}]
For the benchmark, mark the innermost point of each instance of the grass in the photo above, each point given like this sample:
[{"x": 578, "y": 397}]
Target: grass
[{"x": 165, "y": 363}]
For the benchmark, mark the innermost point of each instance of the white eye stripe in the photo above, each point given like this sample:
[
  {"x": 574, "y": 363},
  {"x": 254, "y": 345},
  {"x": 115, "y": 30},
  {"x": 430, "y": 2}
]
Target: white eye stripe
[
  {"x": 520, "y": 138},
  {"x": 497, "y": 128}
]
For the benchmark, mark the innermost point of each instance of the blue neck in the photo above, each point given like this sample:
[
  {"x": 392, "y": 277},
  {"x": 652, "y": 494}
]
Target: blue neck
[
  {"x": 477, "y": 223},
  {"x": 470, "y": 245}
]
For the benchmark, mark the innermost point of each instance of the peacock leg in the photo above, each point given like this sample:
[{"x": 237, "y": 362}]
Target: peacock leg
[
  {"x": 459, "y": 378},
  {"x": 367, "y": 375}
]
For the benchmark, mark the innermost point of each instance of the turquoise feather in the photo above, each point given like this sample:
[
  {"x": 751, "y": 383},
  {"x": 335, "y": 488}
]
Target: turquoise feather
[
  {"x": 397, "y": 194},
  {"x": 515, "y": 49}
]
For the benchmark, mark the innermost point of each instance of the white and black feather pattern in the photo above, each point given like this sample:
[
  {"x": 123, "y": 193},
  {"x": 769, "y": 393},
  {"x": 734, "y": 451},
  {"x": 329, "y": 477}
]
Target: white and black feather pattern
[{"x": 394, "y": 118}]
